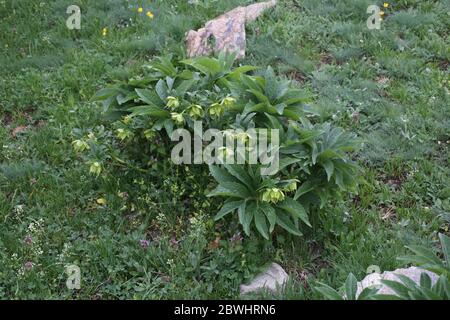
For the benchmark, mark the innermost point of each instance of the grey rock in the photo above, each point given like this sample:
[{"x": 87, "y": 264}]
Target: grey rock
[
  {"x": 226, "y": 31},
  {"x": 374, "y": 279},
  {"x": 271, "y": 279}
]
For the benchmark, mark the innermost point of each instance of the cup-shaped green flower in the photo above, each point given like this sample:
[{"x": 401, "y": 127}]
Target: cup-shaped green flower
[
  {"x": 96, "y": 168},
  {"x": 149, "y": 134},
  {"x": 224, "y": 153},
  {"x": 80, "y": 145},
  {"x": 177, "y": 118},
  {"x": 216, "y": 110},
  {"x": 228, "y": 102},
  {"x": 172, "y": 102},
  {"x": 195, "y": 111},
  {"x": 123, "y": 134},
  {"x": 273, "y": 195},
  {"x": 291, "y": 187}
]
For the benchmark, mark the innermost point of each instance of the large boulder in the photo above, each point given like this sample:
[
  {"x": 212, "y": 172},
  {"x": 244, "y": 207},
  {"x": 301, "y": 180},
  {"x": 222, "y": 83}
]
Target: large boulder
[
  {"x": 225, "y": 33},
  {"x": 271, "y": 279},
  {"x": 374, "y": 279}
]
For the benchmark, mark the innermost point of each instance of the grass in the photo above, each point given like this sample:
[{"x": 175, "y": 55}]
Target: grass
[{"x": 391, "y": 86}]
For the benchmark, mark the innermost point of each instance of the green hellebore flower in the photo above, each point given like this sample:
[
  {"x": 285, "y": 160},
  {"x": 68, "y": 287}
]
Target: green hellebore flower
[
  {"x": 225, "y": 152},
  {"x": 216, "y": 110},
  {"x": 96, "y": 168},
  {"x": 177, "y": 118},
  {"x": 123, "y": 134},
  {"x": 127, "y": 119},
  {"x": 242, "y": 137},
  {"x": 228, "y": 101},
  {"x": 149, "y": 134},
  {"x": 172, "y": 102},
  {"x": 273, "y": 195},
  {"x": 195, "y": 111},
  {"x": 80, "y": 145},
  {"x": 291, "y": 186}
]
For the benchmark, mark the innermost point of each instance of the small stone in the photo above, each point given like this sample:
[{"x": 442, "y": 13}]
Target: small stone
[
  {"x": 271, "y": 279},
  {"x": 374, "y": 279}
]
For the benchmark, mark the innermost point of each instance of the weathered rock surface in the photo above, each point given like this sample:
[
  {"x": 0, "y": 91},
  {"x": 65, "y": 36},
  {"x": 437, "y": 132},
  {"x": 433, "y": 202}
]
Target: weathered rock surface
[
  {"x": 271, "y": 279},
  {"x": 227, "y": 32},
  {"x": 374, "y": 279}
]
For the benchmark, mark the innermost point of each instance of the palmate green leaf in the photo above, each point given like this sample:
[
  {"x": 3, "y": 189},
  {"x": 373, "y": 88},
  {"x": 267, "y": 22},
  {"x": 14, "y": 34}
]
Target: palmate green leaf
[
  {"x": 121, "y": 98},
  {"x": 425, "y": 280},
  {"x": 153, "y": 111},
  {"x": 328, "y": 292},
  {"x": 368, "y": 294},
  {"x": 329, "y": 168},
  {"x": 227, "y": 208},
  {"x": 270, "y": 84},
  {"x": 237, "y": 72},
  {"x": 284, "y": 221},
  {"x": 260, "y": 222},
  {"x": 270, "y": 213},
  {"x": 260, "y": 96},
  {"x": 422, "y": 256},
  {"x": 221, "y": 174},
  {"x": 221, "y": 191},
  {"x": 237, "y": 188},
  {"x": 245, "y": 214},
  {"x": 184, "y": 86},
  {"x": 147, "y": 96},
  {"x": 239, "y": 172},
  {"x": 306, "y": 187},
  {"x": 445, "y": 243},
  {"x": 287, "y": 161},
  {"x": 168, "y": 125},
  {"x": 294, "y": 208},
  {"x": 207, "y": 66},
  {"x": 351, "y": 285},
  {"x": 250, "y": 82},
  {"x": 105, "y": 93},
  {"x": 400, "y": 289},
  {"x": 161, "y": 89}
]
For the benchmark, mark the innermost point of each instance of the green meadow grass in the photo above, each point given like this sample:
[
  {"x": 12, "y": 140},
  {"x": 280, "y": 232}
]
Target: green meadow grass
[{"x": 391, "y": 86}]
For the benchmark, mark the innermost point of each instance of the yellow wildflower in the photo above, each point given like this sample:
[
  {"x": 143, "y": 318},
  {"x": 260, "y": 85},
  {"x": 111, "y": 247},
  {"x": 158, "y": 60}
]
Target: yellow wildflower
[
  {"x": 381, "y": 13},
  {"x": 140, "y": 9},
  {"x": 149, "y": 14},
  {"x": 386, "y": 5}
]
